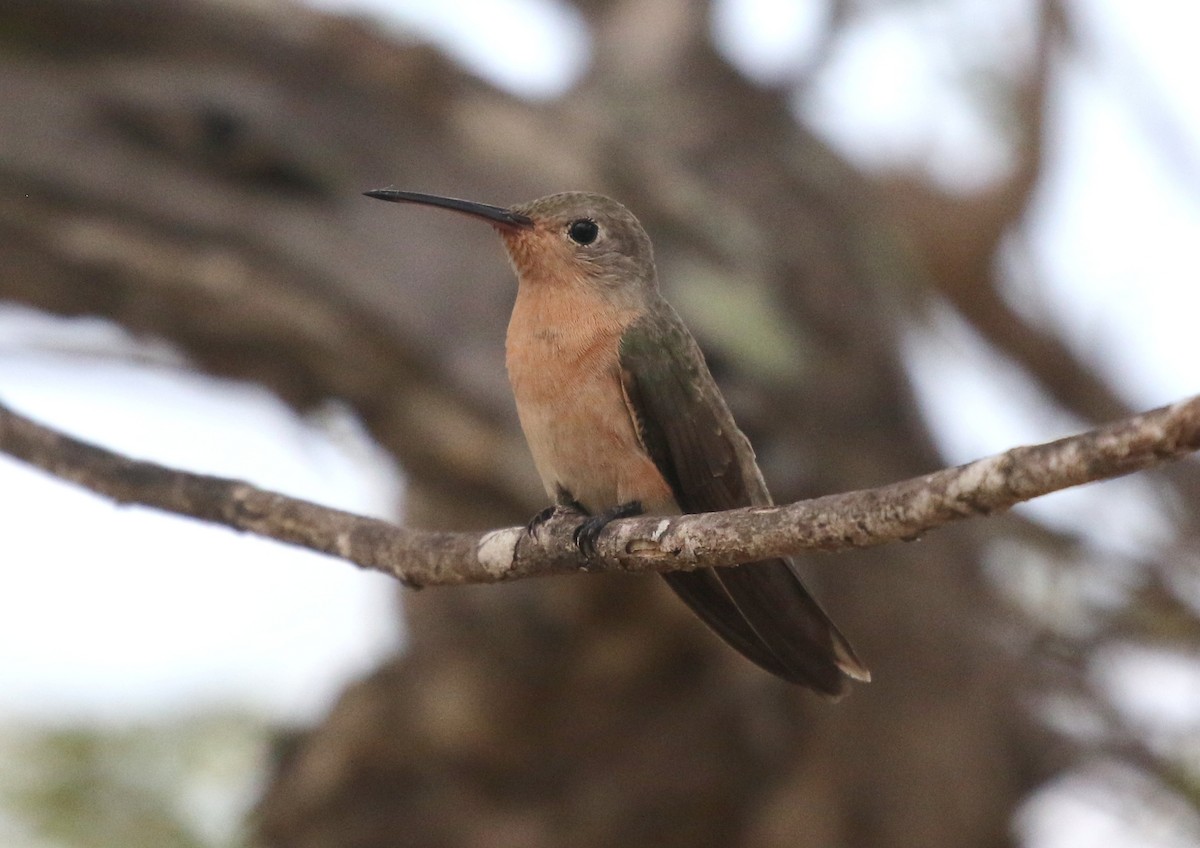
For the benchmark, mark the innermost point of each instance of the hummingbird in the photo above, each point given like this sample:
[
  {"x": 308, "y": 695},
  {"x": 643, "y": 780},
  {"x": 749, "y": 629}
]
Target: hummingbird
[{"x": 623, "y": 418}]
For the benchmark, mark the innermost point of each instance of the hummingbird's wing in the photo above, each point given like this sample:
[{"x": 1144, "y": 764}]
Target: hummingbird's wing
[{"x": 761, "y": 609}]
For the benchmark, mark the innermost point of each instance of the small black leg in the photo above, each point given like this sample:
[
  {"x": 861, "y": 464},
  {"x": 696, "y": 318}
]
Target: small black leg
[{"x": 587, "y": 532}]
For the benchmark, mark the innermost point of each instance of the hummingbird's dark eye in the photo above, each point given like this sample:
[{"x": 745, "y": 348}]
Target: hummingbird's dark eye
[{"x": 583, "y": 231}]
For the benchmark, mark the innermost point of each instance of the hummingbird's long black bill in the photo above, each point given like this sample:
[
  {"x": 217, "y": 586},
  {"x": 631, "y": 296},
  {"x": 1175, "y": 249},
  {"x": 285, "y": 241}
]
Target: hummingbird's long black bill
[{"x": 497, "y": 215}]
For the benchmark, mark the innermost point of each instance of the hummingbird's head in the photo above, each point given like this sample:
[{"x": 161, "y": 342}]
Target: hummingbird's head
[
  {"x": 581, "y": 238},
  {"x": 572, "y": 238}
]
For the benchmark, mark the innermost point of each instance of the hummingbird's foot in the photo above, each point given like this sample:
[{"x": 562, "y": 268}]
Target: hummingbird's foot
[
  {"x": 535, "y": 524},
  {"x": 587, "y": 532}
]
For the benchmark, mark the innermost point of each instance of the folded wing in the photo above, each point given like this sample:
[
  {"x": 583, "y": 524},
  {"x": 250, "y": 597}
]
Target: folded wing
[{"x": 761, "y": 609}]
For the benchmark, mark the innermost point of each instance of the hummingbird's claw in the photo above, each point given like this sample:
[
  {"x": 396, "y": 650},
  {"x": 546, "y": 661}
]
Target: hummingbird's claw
[
  {"x": 586, "y": 533},
  {"x": 535, "y": 524}
]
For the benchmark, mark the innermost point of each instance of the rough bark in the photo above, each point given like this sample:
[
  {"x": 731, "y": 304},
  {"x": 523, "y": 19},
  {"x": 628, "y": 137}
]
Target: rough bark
[{"x": 899, "y": 512}]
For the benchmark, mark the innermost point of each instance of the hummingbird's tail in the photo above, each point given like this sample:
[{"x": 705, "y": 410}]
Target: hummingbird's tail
[{"x": 763, "y": 610}]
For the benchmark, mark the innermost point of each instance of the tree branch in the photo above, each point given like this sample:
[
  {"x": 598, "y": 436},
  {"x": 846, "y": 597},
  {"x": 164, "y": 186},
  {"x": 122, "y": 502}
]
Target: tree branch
[{"x": 900, "y": 511}]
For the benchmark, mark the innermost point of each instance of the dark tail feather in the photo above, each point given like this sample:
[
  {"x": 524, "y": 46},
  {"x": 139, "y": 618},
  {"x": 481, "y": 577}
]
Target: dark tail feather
[
  {"x": 703, "y": 593},
  {"x": 763, "y": 610}
]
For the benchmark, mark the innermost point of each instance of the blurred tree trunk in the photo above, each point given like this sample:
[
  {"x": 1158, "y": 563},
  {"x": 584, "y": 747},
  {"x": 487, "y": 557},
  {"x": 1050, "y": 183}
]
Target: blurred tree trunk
[{"x": 193, "y": 171}]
